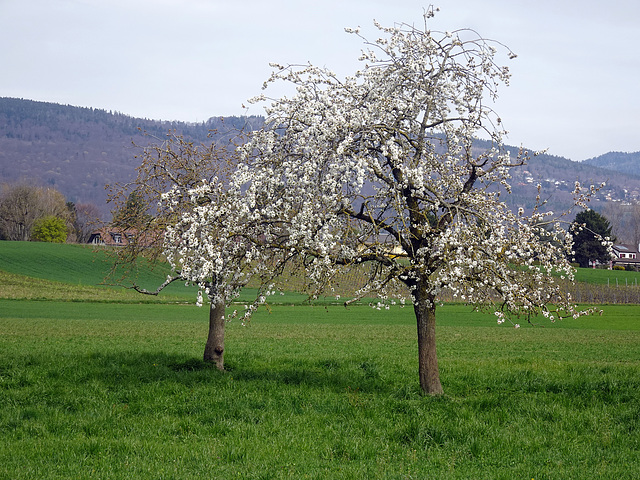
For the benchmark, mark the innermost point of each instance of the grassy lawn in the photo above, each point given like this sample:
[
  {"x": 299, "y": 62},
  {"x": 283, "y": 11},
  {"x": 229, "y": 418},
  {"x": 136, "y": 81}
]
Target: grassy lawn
[
  {"x": 98, "y": 385},
  {"x": 118, "y": 391}
]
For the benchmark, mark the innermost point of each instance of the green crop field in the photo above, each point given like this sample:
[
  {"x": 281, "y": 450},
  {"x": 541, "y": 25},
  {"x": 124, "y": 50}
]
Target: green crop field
[
  {"x": 98, "y": 385},
  {"x": 77, "y": 265}
]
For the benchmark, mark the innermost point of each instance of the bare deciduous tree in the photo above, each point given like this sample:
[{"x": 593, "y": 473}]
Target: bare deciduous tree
[
  {"x": 87, "y": 219},
  {"x": 21, "y": 205}
]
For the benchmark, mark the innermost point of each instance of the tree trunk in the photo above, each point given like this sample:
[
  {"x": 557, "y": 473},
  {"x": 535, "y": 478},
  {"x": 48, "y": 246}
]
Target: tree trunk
[
  {"x": 425, "y": 310},
  {"x": 214, "y": 349}
]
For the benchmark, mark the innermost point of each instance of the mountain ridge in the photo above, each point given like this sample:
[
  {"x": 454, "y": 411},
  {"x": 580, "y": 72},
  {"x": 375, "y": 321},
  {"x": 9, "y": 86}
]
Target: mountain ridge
[
  {"x": 79, "y": 150},
  {"x": 623, "y": 162}
]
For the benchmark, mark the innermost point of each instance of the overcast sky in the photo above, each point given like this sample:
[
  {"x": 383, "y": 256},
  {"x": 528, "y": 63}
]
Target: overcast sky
[{"x": 574, "y": 88}]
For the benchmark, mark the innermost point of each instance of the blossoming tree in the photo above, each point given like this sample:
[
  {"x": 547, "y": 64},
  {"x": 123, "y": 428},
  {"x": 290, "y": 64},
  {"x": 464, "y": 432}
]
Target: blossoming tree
[
  {"x": 192, "y": 218},
  {"x": 380, "y": 168}
]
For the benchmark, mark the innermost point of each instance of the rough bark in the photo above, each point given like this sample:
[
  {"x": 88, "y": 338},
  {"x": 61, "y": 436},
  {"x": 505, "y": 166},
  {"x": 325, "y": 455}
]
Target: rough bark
[
  {"x": 425, "y": 310},
  {"x": 214, "y": 348}
]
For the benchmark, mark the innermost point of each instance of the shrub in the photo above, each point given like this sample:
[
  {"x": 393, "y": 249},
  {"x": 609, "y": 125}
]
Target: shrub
[{"x": 49, "y": 229}]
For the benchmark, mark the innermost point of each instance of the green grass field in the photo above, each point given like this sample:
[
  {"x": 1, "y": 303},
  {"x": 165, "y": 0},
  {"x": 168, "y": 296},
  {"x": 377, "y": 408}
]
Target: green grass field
[
  {"x": 98, "y": 387},
  {"x": 607, "y": 277},
  {"x": 77, "y": 265}
]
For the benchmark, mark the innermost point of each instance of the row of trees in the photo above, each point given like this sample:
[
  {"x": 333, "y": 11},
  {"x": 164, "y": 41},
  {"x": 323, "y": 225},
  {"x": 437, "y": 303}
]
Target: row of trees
[
  {"x": 377, "y": 169},
  {"x": 42, "y": 214}
]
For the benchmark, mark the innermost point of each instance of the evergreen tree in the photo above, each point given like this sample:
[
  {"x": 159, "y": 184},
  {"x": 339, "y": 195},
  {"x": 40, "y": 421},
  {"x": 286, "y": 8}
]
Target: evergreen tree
[{"x": 586, "y": 243}]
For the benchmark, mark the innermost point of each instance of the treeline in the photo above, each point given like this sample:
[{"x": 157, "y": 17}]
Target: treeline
[
  {"x": 43, "y": 214},
  {"x": 31, "y": 120}
]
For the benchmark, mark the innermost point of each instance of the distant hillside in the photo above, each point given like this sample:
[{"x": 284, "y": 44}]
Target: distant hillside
[
  {"x": 79, "y": 150},
  {"x": 557, "y": 176},
  {"x": 628, "y": 163}
]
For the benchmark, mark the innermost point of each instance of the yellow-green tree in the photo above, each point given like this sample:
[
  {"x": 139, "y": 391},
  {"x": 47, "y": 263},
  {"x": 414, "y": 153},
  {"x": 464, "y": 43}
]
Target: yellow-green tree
[{"x": 49, "y": 229}]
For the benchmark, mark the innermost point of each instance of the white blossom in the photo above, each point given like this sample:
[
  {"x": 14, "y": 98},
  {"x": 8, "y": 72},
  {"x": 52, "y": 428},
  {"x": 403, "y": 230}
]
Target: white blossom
[{"x": 347, "y": 162}]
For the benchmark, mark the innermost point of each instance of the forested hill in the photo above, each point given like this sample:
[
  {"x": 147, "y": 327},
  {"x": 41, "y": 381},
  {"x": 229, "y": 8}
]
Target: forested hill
[
  {"x": 557, "y": 175},
  {"x": 622, "y": 162},
  {"x": 79, "y": 150}
]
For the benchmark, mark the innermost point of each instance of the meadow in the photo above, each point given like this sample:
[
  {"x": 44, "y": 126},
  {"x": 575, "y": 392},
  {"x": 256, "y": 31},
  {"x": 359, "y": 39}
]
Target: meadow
[{"x": 95, "y": 384}]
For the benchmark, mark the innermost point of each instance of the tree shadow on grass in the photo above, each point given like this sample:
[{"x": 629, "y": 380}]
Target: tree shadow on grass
[
  {"x": 137, "y": 368},
  {"x": 348, "y": 377}
]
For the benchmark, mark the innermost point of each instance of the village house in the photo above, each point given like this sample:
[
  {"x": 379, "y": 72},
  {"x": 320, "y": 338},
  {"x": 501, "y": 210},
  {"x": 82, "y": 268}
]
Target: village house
[
  {"x": 111, "y": 236},
  {"x": 626, "y": 256}
]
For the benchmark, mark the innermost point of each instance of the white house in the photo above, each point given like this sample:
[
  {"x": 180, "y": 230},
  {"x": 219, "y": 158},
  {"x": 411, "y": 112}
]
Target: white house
[{"x": 626, "y": 255}]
